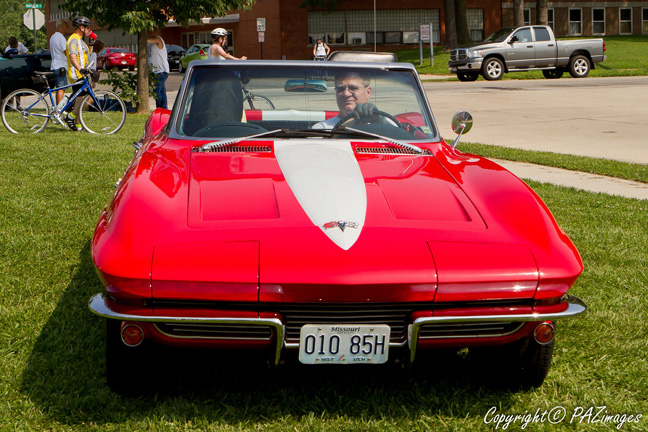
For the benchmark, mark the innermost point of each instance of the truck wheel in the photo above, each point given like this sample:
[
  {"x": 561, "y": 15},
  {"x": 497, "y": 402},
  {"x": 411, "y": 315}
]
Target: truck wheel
[
  {"x": 579, "y": 66},
  {"x": 493, "y": 69},
  {"x": 552, "y": 73},
  {"x": 467, "y": 76}
]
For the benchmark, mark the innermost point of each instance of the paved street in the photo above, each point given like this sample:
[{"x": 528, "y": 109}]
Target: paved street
[{"x": 595, "y": 117}]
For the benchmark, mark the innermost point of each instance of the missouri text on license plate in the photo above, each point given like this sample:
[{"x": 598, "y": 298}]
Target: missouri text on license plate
[{"x": 344, "y": 343}]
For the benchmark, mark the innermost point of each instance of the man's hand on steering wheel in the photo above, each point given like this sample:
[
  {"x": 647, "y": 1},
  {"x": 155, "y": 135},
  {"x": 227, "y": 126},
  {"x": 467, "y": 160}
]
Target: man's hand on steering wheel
[{"x": 367, "y": 113}]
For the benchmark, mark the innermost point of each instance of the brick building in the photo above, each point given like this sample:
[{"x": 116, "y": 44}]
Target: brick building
[{"x": 290, "y": 30}]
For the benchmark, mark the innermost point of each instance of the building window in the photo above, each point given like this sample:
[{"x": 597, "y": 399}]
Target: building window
[
  {"x": 598, "y": 21},
  {"x": 475, "y": 18},
  {"x": 644, "y": 20},
  {"x": 527, "y": 16},
  {"x": 625, "y": 21},
  {"x": 550, "y": 18},
  {"x": 393, "y": 26},
  {"x": 575, "y": 22}
]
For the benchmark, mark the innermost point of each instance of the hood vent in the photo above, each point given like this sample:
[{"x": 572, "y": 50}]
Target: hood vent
[
  {"x": 240, "y": 149},
  {"x": 387, "y": 150}
]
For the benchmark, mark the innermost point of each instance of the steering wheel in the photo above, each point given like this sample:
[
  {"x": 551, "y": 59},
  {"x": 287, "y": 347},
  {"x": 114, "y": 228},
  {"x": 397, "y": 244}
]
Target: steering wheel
[{"x": 349, "y": 120}]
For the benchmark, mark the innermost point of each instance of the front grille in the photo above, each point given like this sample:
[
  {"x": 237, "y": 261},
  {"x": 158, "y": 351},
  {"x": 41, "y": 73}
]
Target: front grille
[
  {"x": 468, "y": 330},
  {"x": 458, "y": 54},
  {"x": 215, "y": 331},
  {"x": 386, "y": 150},
  {"x": 396, "y": 317}
]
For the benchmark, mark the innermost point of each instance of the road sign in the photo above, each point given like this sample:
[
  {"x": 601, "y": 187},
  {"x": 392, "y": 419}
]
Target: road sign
[
  {"x": 261, "y": 36},
  {"x": 33, "y": 5},
  {"x": 34, "y": 19},
  {"x": 261, "y": 24},
  {"x": 425, "y": 33}
]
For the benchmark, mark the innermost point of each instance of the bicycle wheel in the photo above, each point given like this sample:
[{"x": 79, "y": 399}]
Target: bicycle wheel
[
  {"x": 105, "y": 116},
  {"x": 25, "y": 111},
  {"x": 260, "y": 102}
]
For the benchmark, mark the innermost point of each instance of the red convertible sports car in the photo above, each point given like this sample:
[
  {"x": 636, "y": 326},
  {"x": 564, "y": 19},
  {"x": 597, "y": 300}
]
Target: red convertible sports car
[
  {"x": 120, "y": 58},
  {"x": 333, "y": 226}
]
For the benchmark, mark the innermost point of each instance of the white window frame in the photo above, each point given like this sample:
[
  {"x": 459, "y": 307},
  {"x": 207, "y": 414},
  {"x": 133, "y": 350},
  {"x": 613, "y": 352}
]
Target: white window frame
[
  {"x": 477, "y": 17},
  {"x": 644, "y": 20},
  {"x": 526, "y": 13},
  {"x": 604, "y": 22},
  {"x": 551, "y": 14},
  {"x": 569, "y": 28},
  {"x": 625, "y": 21}
]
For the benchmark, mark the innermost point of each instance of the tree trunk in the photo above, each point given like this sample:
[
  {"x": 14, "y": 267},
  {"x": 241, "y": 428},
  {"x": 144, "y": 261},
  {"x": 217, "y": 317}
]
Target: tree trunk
[
  {"x": 450, "y": 26},
  {"x": 463, "y": 34},
  {"x": 142, "y": 74},
  {"x": 518, "y": 13},
  {"x": 542, "y": 12}
]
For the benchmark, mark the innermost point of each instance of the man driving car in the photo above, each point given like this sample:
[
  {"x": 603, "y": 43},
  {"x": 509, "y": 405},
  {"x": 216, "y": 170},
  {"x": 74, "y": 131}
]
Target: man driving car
[{"x": 352, "y": 92}]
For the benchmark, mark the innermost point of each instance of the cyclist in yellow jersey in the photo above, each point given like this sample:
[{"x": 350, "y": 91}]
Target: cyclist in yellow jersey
[{"x": 77, "y": 55}]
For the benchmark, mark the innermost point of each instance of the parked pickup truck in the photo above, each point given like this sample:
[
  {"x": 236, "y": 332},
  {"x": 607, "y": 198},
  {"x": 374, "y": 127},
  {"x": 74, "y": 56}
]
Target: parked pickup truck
[
  {"x": 16, "y": 71},
  {"x": 524, "y": 49}
]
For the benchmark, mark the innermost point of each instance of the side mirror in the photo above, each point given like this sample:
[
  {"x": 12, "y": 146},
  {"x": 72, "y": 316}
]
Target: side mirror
[
  {"x": 514, "y": 39},
  {"x": 462, "y": 122}
]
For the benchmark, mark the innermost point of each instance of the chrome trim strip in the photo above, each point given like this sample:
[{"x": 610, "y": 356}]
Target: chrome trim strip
[
  {"x": 479, "y": 336},
  {"x": 99, "y": 306},
  {"x": 575, "y": 306},
  {"x": 172, "y": 336}
]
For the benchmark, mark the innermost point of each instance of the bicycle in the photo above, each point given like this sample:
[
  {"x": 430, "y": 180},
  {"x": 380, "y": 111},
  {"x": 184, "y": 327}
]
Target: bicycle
[
  {"x": 256, "y": 101},
  {"x": 101, "y": 112}
]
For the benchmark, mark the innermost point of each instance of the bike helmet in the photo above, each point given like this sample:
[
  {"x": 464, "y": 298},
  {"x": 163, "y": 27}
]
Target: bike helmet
[
  {"x": 81, "y": 21},
  {"x": 218, "y": 32}
]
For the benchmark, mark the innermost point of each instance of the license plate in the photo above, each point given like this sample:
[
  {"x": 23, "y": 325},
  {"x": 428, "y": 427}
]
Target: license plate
[
  {"x": 344, "y": 343},
  {"x": 454, "y": 69},
  {"x": 123, "y": 61}
]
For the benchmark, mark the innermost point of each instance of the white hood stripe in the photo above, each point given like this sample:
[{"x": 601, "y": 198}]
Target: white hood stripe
[{"x": 327, "y": 182}]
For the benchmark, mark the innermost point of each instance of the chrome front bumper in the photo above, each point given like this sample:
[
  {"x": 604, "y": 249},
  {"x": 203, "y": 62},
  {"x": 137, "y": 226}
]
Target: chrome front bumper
[
  {"x": 468, "y": 65},
  {"x": 574, "y": 306}
]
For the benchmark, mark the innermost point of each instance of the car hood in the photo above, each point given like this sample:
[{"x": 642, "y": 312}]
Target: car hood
[
  {"x": 325, "y": 185},
  {"x": 329, "y": 221}
]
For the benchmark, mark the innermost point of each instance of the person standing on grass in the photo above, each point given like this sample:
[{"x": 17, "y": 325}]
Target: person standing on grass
[
  {"x": 77, "y": 54},
  {"x": 159, "y": 64},
  {"x": 59, "y": 60}
]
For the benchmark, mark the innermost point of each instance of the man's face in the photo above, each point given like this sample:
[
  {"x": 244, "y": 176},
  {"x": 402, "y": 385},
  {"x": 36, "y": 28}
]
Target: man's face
[{"x": 349, "y": 92}]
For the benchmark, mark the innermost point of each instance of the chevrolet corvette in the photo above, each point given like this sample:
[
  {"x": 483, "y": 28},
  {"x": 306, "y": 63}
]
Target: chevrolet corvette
[{"x": 332, "y": 226}]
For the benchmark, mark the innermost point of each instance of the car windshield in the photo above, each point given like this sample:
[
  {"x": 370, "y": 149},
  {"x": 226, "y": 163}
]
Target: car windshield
[
  {"x": 119, "y": 50},
  {"x": 231, "y": 100},
  {"x": 499, "y": 35}
]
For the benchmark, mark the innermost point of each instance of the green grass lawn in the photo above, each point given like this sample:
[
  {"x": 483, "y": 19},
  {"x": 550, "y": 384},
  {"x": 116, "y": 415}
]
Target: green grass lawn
[
  {"x": 626, "y": 56},
  {"x": 53, "y": 188}
]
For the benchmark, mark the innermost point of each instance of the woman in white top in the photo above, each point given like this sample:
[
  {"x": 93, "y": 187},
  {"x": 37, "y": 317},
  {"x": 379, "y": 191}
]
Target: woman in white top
[{"x": 219, "y": 37}]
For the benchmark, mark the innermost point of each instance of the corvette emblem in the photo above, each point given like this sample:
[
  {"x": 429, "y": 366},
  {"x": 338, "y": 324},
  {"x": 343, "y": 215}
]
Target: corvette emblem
[{"x": 340, "y": 224}]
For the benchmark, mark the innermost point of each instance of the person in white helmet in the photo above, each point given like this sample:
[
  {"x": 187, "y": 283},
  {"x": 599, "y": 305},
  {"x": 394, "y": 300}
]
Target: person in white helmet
[{"x": 217, "y": 50}]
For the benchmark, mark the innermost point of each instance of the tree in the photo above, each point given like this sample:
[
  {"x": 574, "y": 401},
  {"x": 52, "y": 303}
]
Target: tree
[
  {"x": 542, "y": 12},
  {"x": 11, "y": 24},
  {"x": 518, "y": 13},
  {"x": 450, "y": 25},
  {"x": 141, "y": 16},
  {"x": 463, "y": 34}
]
